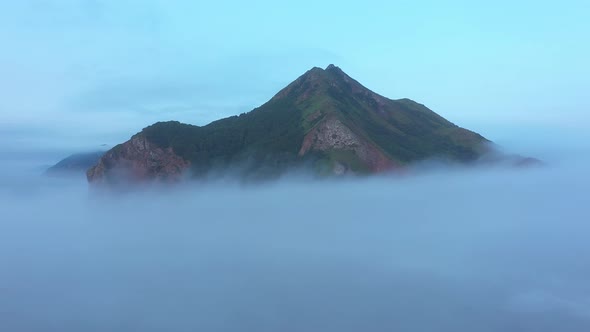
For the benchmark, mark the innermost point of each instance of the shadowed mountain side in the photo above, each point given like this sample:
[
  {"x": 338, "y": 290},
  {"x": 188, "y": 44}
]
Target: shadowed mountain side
[
  {"x": 324, "y": 118},
  {"x": 76, "y": 163}
]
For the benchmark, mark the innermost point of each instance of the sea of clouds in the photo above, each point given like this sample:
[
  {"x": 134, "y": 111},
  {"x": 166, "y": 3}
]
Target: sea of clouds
[{"x": 490, "y": 249}]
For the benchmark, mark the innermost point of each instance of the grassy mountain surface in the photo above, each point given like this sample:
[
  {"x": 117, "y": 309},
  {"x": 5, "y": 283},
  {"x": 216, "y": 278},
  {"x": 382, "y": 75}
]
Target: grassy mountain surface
[{"x": 325, "y": 118}]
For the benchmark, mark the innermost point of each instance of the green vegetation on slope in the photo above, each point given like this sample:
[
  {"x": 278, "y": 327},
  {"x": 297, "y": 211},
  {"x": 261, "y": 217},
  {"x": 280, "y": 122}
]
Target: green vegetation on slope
[{"x": 272, "y": 135}]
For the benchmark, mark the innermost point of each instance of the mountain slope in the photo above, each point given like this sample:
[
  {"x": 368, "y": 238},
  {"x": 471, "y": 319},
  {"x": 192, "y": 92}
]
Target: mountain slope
[
  {"x": 76, "y": 163},
  {"x": 324, "y": 118}
]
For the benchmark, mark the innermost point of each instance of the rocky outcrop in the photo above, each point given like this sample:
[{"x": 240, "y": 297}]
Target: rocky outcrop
[
  {"x": 138, "y": 160},
  {"x": 332, "y": 134}
]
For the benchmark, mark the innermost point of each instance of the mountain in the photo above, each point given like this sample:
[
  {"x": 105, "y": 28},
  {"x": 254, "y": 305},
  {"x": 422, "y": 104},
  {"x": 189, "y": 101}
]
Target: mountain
[
  {"x": 324, "y": 120},
  {"x": 76, "y": 163}
]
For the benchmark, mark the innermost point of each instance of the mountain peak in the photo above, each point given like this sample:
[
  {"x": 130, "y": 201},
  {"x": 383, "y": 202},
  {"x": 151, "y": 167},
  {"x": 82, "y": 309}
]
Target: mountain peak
[
  {"x": 318, "y": 81},
  {"x": 332, "y": 69},
  {"x": 328, "y": 68}
]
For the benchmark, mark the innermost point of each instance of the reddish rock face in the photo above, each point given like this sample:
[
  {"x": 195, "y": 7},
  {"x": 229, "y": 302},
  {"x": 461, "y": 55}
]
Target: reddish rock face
[
  {"x": 138, "y": 160},
  {"x": 332, "y": 134}
]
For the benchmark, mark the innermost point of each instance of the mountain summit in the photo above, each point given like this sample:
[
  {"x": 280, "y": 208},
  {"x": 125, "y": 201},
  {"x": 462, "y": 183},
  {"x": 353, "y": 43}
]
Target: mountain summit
[{"x": 324, "y": 119}]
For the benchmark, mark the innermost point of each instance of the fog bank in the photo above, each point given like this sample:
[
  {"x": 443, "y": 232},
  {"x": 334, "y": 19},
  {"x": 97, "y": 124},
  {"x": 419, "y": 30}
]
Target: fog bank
[{"x": 461, "y": 250}]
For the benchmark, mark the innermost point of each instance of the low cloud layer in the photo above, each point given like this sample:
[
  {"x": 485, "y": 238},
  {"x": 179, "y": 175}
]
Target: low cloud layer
[{"x": 461, "y": 250}]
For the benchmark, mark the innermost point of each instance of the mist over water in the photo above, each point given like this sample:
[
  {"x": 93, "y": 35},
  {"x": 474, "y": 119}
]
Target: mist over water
[{"x": 453, "y": 250}]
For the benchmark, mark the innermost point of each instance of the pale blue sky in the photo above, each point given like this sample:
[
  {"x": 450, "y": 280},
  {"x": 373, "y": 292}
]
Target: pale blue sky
[{"x": 88, "y": 71}]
